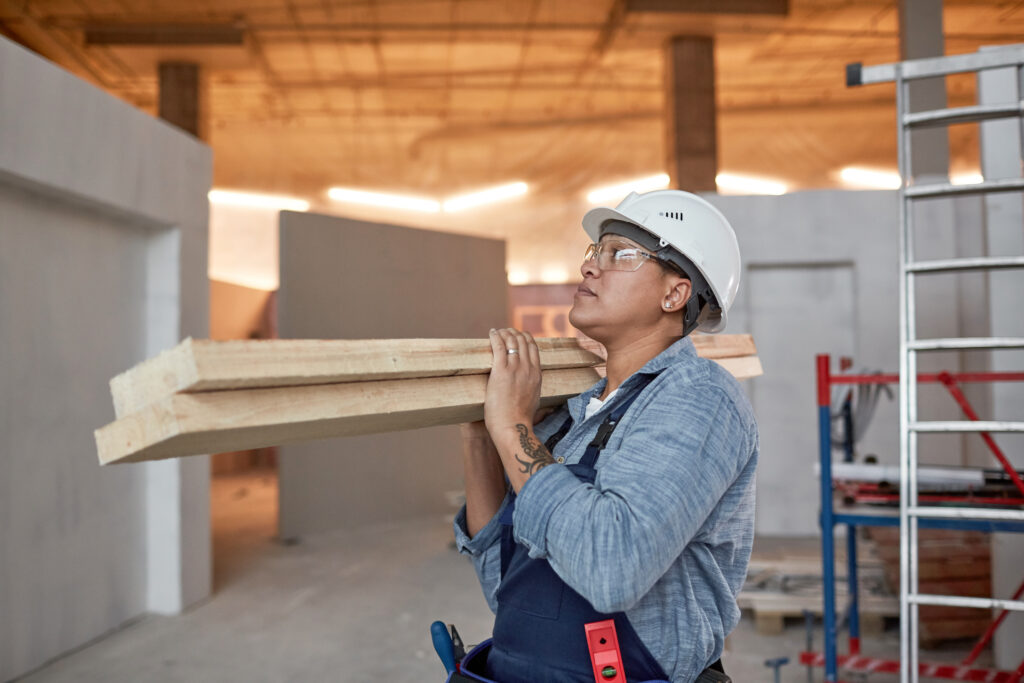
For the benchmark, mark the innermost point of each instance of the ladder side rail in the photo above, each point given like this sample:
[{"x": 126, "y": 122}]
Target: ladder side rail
[{"x": 908, "y": 611}]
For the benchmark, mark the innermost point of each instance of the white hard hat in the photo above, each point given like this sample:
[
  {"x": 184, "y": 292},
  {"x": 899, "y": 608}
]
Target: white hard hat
[{"x": 690, "y": 226}]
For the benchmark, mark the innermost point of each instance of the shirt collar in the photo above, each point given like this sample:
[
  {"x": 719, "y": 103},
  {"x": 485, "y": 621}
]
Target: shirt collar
[{"x": 678, "y": 351}]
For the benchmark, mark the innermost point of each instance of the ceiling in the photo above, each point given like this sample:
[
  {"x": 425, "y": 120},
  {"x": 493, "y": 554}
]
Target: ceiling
[{"x": 439, "y": 97}]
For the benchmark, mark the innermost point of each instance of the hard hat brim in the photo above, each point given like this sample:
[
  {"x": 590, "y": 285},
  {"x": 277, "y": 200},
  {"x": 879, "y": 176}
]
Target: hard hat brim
[{"x": 595, "y": 218}]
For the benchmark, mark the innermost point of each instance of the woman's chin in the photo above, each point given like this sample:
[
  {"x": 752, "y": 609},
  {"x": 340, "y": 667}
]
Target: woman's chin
[{"x": 580, "y": 321}]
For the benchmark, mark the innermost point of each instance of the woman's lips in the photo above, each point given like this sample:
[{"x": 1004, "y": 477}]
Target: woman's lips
[{"x": 583, "y": 290}]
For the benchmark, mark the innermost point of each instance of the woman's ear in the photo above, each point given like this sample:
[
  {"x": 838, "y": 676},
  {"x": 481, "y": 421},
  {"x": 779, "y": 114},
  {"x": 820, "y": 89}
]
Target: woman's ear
[{"x": 677, "y": 292}]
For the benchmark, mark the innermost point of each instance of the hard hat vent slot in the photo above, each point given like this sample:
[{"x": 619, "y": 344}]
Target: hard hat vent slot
[{"x": 677, "y": 215}]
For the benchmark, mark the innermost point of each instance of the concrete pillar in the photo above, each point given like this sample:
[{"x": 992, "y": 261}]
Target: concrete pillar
[
  {"x": 921, "y": 36},
  {"x": 691, "y": 133},
  {"x": 180, "y": 99}
]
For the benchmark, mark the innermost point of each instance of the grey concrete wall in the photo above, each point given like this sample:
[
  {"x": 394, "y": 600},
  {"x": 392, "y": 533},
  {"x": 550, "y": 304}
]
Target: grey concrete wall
[
  {"x": 349, "y": 279},
  {"x": 102, "y": 263},
  {"x": 820, "y": 275}
]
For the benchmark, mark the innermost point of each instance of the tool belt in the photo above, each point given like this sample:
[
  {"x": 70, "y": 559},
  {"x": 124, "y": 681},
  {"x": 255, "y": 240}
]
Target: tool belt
[{"x": 475, "y": 660}]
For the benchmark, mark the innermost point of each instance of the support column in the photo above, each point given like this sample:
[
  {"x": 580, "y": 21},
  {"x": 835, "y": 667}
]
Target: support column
[
  {"x": 691, "y": 132},
  {"x": 921, "y": 36},
  {"x": 180, "y": 96}
]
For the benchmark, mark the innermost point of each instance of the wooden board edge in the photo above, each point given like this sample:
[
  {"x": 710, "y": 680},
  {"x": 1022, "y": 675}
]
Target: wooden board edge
[
  {"x": 178, "y": 425},
  {"x": 743, "y": 367}
]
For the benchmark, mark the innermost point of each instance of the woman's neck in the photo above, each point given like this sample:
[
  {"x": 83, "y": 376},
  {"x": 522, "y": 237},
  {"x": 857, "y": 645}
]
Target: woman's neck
[{"x": 627, "y": 358}]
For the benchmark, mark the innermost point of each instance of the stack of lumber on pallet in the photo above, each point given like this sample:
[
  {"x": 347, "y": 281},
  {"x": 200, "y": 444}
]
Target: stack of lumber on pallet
[
  {"x": 208, "y": 396},
  {"x": 780, "y": 588},
  {"x": 950, "y": 562}
]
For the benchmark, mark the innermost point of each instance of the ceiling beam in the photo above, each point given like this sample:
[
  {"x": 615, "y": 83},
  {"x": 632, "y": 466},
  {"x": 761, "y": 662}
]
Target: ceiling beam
[
  {"x": 120, "y": 33},
  {"x": 773, "y": 7}
]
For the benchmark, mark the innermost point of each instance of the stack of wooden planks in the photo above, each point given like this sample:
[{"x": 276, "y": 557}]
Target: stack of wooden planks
[{"x": 212, "y": 396}]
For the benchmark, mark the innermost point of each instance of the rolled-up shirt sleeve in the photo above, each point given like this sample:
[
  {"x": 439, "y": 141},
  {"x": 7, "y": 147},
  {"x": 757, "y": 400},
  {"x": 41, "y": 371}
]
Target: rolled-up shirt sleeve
[
  {"x": 484, "y": 549},
  {"x": 657, "y": 484}
]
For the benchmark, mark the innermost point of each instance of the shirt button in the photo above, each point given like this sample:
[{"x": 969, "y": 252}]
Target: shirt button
[{"x": 561, "y": 459}]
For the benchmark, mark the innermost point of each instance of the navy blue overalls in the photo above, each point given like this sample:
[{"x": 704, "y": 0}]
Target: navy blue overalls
[{"x": 539, "y": 627}]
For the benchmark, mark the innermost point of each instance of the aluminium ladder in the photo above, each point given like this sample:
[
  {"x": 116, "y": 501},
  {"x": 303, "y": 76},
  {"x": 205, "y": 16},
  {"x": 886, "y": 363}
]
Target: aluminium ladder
[{"x": 903, "y": 73}]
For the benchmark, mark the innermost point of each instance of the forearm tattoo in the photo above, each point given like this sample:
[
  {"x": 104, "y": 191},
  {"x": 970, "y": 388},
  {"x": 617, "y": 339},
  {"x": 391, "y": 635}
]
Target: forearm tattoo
[{"x": 535, "y": 456}]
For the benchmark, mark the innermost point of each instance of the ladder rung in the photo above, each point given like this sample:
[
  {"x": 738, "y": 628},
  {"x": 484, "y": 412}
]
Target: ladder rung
[
  {"x": 966, "y": 426},
  {"x": 981, "y": 263},
  {"x": 946, "y": 189},
  {"x": 1012, "y": 55},
  {"x": 983, "y": 112},
  {"x": 961, "y": 343},
  {"x": 966, "y": 513},
  {"x": 959, "y": 601}
]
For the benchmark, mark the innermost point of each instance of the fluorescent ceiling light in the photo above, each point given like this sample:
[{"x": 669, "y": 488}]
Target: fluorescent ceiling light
[
  {"x": 258, "y": 201},
  {"x": 518, "y": 277},
  {"x": 494, "y": 194},
  {"x": 388, "y": 201},
  {"x": 554, "y": 275},
  {"x": 971, "y": 178},
  {"x": 610, "y": 193},
  {"x": 868, "y": 178},
  {"x": 731, "y": 183}
]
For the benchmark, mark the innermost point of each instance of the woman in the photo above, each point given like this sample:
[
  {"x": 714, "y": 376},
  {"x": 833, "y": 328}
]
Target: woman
[{"x": 635, "y": 501}]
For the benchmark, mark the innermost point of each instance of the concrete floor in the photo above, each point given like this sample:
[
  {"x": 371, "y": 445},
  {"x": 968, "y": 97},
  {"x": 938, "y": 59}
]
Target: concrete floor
[{"x": 354, "y": 605}]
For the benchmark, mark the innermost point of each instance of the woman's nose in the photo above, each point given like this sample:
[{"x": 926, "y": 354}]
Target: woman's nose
[{"x": 589, "y": 267}]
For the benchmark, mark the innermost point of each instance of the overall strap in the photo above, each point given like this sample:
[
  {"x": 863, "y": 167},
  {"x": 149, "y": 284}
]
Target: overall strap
[
  {"x": 604, "y": 432},
  {"x": 594, "y": 448}
]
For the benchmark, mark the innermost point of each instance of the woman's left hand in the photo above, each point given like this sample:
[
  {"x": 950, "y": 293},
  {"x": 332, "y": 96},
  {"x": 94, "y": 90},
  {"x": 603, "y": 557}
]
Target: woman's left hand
[{"x": 513, "y": 389}]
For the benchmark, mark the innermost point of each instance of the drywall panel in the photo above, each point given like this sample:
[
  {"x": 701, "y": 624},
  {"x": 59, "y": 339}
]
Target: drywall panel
[
  {"x": 102, "y": 263},
  {"x": 820, "y": 275},
  {"x": 349, "y": 279},
  {"x": 834, "y": 328}
]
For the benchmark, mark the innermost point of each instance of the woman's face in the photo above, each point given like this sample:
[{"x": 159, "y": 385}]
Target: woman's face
[{"x": 612, "y": 303}]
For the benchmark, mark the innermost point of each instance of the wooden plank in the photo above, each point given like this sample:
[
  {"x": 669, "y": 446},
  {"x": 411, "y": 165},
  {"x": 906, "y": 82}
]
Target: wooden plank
[
  {"x": 742, "y": 368},
  {"x": 207, "y": 422},
  {"x": 205, "y": 365},
  {"x": 715, "y": 346}
]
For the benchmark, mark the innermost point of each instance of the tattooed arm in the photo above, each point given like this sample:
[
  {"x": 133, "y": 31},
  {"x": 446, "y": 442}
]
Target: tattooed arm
[{"x": 531, "y": 455}]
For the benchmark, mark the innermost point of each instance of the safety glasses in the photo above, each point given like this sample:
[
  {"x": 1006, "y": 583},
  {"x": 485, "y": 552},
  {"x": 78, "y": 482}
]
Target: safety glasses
[{"x": 614, "y": 255}]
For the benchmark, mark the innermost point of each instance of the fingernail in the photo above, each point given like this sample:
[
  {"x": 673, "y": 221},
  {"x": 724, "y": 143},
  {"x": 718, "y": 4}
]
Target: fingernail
[{"x": 493, "y": 330}]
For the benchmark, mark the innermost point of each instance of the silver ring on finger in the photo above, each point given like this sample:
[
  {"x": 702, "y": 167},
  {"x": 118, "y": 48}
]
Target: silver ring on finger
[{"x": 512, "y": 352}]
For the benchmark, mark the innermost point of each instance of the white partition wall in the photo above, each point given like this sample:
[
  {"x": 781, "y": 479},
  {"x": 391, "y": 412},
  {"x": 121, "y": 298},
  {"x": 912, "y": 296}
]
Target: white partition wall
[
  {"x": 349, "y": 279},
  {"x": 820, "y": 274},
  {"x": 103, "y": 217}
]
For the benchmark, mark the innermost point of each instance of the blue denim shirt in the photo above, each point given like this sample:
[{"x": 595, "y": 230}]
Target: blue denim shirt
[{"x": 665, "y": 532}]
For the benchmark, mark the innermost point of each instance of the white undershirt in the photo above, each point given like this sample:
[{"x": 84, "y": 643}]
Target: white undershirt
[{"x": 596, "y": 404}]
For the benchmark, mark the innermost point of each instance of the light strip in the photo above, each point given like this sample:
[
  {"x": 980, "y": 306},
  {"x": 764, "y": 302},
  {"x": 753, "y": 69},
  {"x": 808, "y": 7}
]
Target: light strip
[
  {"x": 258, "y": 201},
  {"x": 618, "y": 191},
  {"x": 969, "y": 178},
  {"x": 494, "y": 194},
  {"x": 389, "y": 201},
  {"x": 868, "y": 178},
  {"x": 518, "y": 277},
  {"x": 731, "y": 183}
]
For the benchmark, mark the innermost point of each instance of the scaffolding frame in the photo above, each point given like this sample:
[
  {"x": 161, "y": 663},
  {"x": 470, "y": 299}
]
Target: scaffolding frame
[
  {"x": 830, "y": 518},
  {"x": 911, "y": 513}
]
